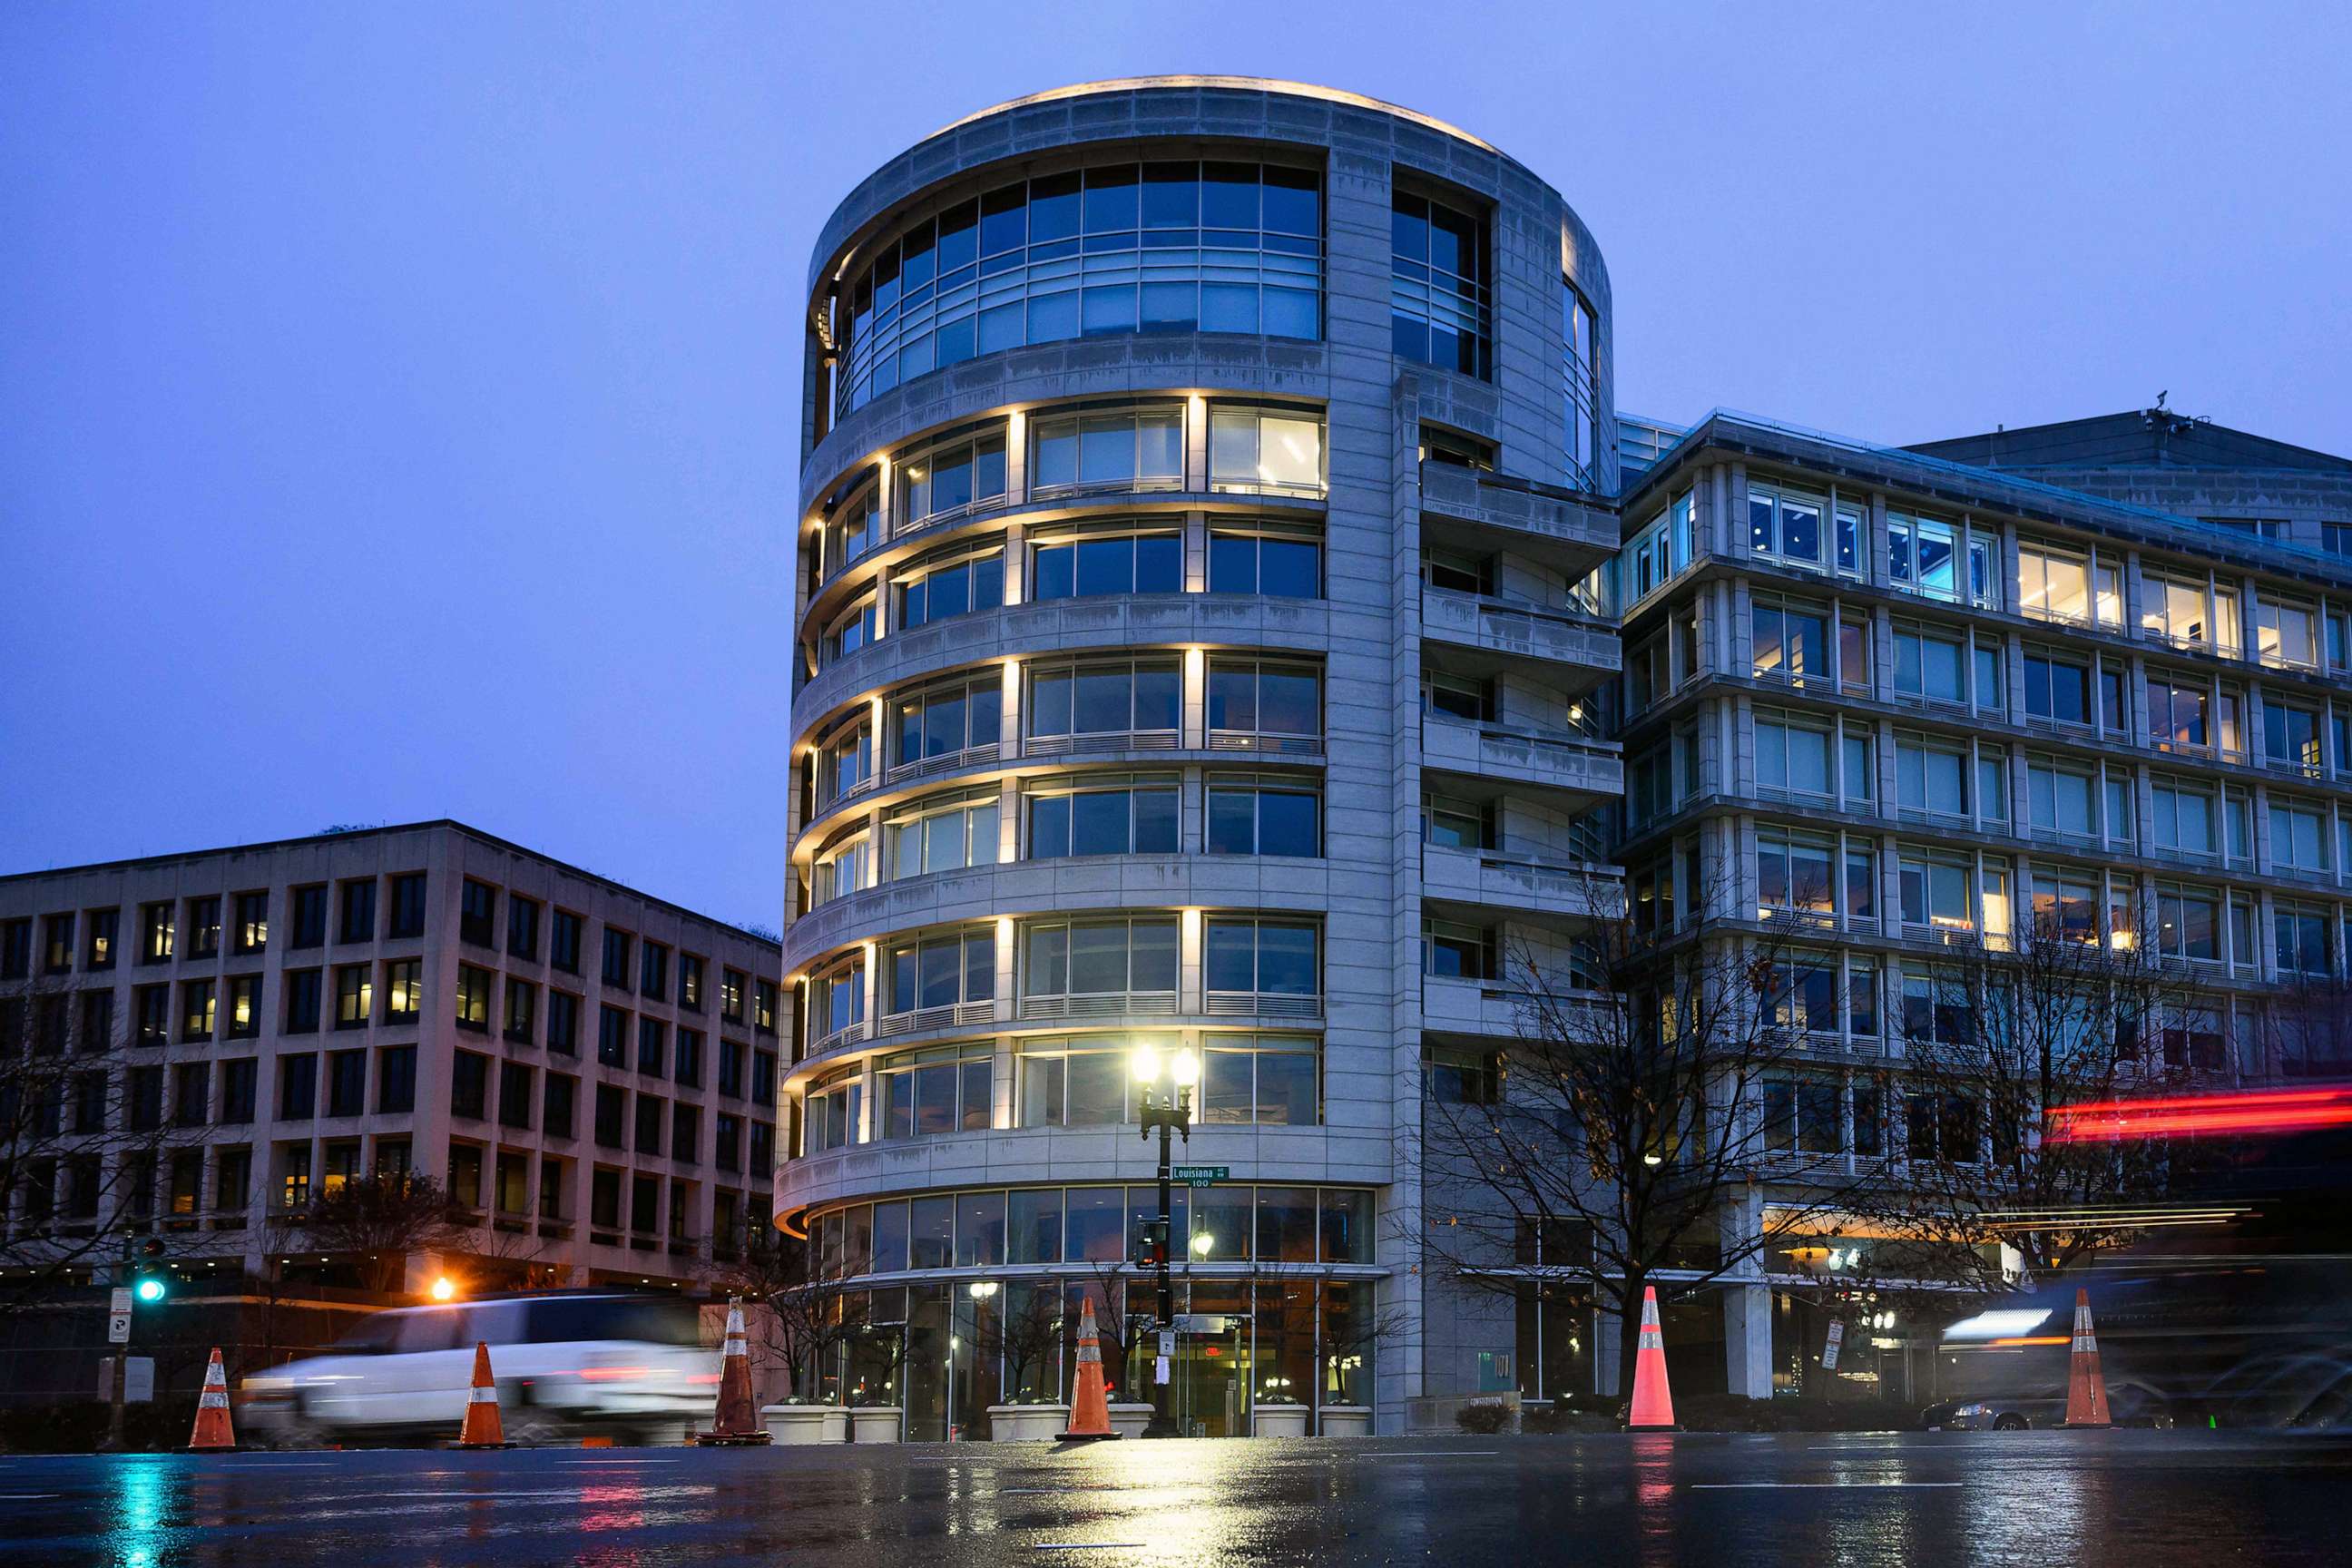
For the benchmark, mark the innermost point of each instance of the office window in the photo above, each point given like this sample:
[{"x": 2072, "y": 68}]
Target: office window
[
  {"x": 2298, "y": 835},
  {"x": 560, "y": 1094},
  {"x": 762, "y": 1159},
  {"x": 358, "y": 917},
  {"x": 403, "y": 990},
  {"x": 469, "y": 1084},
  {"x": 191, "y": 1095},
  {"x": 251, "y": 931},
  {"x": 15, "y": 949},
  {"x": 346, "y": 1083},
  {"x": 477, "y": 904},
  {"x": 1265, "y": 451},
  {"x": 297, "y": 1087},
  {"x": 308, "y": 921},
  {"x": 2285, "y": 634},
  {"x": 514, "y": 1094},
  {"x": 727, "y": 1143},
  {"x": 563, "y": 1023},
  {"x": 731, "y": 1060},
  {"x": 96, "y": 1032},
  {"x": 1265, "y": 705},
  {"x": 1930, "y": 668},
  {"x": 616, "y": 958},
  {"x": 143, "y": 1108},
  {"x": 355, "y": 997},
  {"x": 522, "y": 926},
  {"x": 2291, "y": 737},
  {"x": 689, "y": 982},
  {"x": 407, "y": 905},
  {"x": 240, "y": 1077},
  {"x": 1116, "y": 814},
  {"x": 1255, "y": 816},
  {"x": 1092, "y": 966},
  {"x": 1791, "y": 757},
  {"x": 1097, "y": 559},
  {"x": 2056, "y": 585},
  {"x": 938, "y": 833},
  {"x": 395, "y": 1080},
  {"x": 926, "y": 1093},
  {"x": 563, "y": 941},
  {"x": 653, "y": 971},
  {"x": 1261, "y": 965},
  {"x": 1271, "y": 560},
  {"x": 156, "y": 933},
  {"x": 57, "y": 944},
  {"x": 1132, "y": 450},
  {"x": 612, "y": 1106},
  {"x": 1439, "y": 311},
  {"x": 1080, "y": 1080},
  {"x": 204, "y": 927},
  {"x": 653, "y": 1046},
  {"x": 763, "y": 1006},
  {"x": 686, "y": 1062},
  {"x": 685, "y": 1134},
  {"x": 521, "y": 1010},
  {"x": 650, "y": 1117},
  {"x": 2057, "y": 690},
  {"x": 242, "y": 1006},
  {"x": 152, "y": 1014},
  {"x": 612, "y": 1037},
  {"x": 763, "y": 1079},
  {"x": 1788, "y": 526},
  {"x": 99, "y": 944},
  {"x": 733, "y": 985},
  {"x": 473, "y": 997},
  {"x": 936, "y": 980},
  {"x": 198, "y": 1004},
  {"x": 946, "y": 583},
  {"x": 1266, "y": 1080}
]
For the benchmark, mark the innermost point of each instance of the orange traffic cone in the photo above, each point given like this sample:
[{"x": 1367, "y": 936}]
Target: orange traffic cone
[
  {"x": 212, "y": 1432},
  {"x": 1653, "y": 1403},
  {"x": 2086, "y": 1390},
  {"x": 738, "y": 1422},
  {"x": 483, "y": 1429},
  {"x": 1089, "y": 1401}
]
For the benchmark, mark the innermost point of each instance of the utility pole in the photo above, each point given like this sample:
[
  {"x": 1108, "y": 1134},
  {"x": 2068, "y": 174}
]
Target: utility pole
[{"x": 1167, "y": 1107}]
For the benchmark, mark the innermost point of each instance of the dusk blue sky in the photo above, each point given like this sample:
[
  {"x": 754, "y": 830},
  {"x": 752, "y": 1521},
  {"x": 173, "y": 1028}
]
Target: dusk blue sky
[{"x": 397, "y": 404}]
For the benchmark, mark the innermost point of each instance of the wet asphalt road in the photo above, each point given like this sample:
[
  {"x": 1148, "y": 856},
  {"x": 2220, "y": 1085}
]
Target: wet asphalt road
[{"x": 2142, "y": 1500}]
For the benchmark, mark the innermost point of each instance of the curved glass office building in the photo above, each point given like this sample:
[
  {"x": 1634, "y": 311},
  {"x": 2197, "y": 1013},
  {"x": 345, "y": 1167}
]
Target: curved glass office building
[{"x": 1203, "y": 483}]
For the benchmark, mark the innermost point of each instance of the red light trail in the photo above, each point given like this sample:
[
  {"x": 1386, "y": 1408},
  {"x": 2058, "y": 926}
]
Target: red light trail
[{"x": 2255, "y": 1110}]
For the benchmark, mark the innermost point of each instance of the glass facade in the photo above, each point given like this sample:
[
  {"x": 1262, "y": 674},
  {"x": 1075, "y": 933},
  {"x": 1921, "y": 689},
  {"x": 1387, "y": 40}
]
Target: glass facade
[
  {"x": 1440, "y": 304},
  {"x": 1118, "y": 248}
]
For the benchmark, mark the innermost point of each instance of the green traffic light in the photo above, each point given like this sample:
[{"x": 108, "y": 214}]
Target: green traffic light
[{"x": 151, "y": 1290}]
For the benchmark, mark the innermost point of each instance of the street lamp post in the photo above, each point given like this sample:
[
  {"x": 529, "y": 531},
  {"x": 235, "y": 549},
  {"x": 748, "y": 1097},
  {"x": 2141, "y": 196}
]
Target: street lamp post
[{"x": 1167, "y": 1090}]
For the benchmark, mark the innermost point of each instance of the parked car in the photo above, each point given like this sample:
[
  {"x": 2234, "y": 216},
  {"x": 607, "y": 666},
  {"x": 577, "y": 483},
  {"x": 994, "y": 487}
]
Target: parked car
[
  {"x": 2128, "y": 1403},
  {"x": 567, "y": 1364}
]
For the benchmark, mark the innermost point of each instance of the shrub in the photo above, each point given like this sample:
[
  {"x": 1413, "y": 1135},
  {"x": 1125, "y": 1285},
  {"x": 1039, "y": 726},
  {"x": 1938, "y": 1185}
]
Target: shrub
[{"x": 1484, "y": 1420}]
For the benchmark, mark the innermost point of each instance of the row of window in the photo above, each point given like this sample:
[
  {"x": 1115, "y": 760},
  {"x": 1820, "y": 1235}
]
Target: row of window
[
  {"x": 1163, "y": 246},
  {"x": 1116, "y": 557},
  {"x": 1075, "y": 1080},
  {"x": 1229, "y": 1223},
  {"x": 1127, "y": 448},
  {"x": 1074, "y": 968},
  {"x": 1263, "y": 705},
  {"x": 1957, "y": 563},
  {"x": 1078, "y": 814}
]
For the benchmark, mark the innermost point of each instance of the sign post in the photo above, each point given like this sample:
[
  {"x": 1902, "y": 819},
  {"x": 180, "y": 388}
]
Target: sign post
[
  {"x": 118, "y": 1332},
  {"x": 1829, "y": 1346},
  {"x": 1202, "y": 1175}
]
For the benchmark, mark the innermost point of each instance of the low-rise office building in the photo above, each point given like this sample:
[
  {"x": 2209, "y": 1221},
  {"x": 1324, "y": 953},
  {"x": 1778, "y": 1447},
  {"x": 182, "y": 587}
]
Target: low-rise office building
[{"x": 590, "y": 1071}]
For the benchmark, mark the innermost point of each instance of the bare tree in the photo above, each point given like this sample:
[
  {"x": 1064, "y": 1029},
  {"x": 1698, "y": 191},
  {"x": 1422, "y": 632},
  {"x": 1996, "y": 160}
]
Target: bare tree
[
  {"x": 794, "y": 1320},
  {"x": 1025, "y": 1339},
  {"x": 1615, "y": 1144},
  {"x": 1996, "y": 1039},
  {"x": 84, "y": 1140},
  {"x": 378, "y": 1220}
]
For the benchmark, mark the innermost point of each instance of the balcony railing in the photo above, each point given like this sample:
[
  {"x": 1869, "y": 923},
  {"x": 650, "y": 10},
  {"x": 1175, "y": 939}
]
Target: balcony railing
[
  {"x": 946, "y": 1014},
  {"x": 1098, "y": 1005},
  {"x": 1262, "y": 1004},
  {"x": 1102, "y": 741},
  {"x": 946, "y": 762}
]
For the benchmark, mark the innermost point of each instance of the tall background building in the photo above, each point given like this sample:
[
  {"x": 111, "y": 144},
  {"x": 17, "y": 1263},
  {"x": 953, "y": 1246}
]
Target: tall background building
[{"x": 1203, "y": 483}]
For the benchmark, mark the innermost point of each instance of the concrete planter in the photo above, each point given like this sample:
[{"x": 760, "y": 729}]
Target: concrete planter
[
  {"x": 1027, "y": 1422},
  {"x": 1346, "y": 1421},
  {"x": 1130, "y": 1420},
  {"x": 1278, "y": 1421},
  {"x": 874, "y": 1424},
  {"x": 807, "y": 1423}
]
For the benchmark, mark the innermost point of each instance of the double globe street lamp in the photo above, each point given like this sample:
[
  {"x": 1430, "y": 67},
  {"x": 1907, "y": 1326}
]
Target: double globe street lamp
[{"x": 1167, "y": 1088}]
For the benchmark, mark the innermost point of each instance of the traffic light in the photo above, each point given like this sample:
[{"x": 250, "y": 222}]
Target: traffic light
[
  {"x": 1152, "y": 1244},
  {"x": 149, "y": 1281}
]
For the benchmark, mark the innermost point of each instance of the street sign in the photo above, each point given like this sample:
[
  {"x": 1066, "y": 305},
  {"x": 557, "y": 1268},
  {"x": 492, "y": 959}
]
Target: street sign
[
  {"x": 117, "y": 1319},
  {"x": 1202, "y": 1175},
  {"x": 1829, "y": 1348},
  {"x": 1167, "y": 1343},
  {"x": 1160, "y": 1370},
  {"x": 138, "y": 1379}
]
